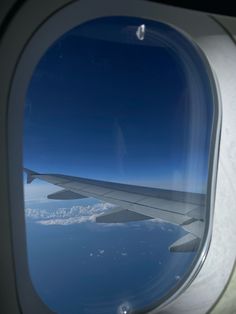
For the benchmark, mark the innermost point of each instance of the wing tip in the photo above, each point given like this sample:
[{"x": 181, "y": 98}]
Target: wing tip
[{"x": 30, "y": 175}]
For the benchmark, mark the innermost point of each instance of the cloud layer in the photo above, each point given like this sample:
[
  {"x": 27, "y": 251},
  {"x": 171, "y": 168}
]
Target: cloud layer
[
  {"x": 67, "y": 216},
  {"x": 77, "y": 214}
]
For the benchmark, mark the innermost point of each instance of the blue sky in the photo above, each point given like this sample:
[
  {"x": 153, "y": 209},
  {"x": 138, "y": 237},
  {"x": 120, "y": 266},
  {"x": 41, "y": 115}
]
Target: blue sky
[{"x": 113, "y": 111}]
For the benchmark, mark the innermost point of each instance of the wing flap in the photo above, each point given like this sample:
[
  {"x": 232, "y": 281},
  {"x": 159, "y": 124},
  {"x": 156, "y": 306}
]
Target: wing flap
[
  {"x": 156, "y": 213},
  {"x": 168, "y": 205}
]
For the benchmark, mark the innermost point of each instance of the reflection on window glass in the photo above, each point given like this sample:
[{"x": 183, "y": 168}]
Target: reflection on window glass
[{"x": 118, "y": 120}]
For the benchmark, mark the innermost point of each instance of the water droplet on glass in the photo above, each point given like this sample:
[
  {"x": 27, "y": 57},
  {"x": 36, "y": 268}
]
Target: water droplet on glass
[{"x": 124, "y": 308}]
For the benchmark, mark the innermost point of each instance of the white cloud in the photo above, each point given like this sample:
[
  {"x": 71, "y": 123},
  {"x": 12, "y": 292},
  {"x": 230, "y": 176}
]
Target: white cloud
[
  {"x": 67, "y": 216},
  {"x": 83, "y": 213},
  {"x": 66, "y": 221}
]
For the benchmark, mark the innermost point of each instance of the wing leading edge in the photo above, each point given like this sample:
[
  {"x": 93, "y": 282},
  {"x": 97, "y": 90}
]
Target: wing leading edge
[{"x": 135, "y": 203}]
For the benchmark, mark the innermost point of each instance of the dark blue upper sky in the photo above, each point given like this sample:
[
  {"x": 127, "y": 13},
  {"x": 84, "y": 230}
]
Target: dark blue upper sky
[{"x": 102, "y": 104}]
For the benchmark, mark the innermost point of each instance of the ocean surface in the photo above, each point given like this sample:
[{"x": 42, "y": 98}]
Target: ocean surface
[{"x": 80, "y": 266}]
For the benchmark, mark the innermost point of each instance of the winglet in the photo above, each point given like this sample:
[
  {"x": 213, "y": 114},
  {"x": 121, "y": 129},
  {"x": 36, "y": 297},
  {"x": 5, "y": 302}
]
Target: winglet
[{"x": 30, "y": 175}]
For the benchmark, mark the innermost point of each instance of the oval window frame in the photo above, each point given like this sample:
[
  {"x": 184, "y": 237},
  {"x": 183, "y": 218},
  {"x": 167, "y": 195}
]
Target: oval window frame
[{"x": 19, "y": 85}]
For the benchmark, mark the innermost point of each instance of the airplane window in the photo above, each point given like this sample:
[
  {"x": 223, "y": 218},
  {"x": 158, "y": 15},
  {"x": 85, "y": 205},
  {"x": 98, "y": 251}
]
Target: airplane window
[{"x": 117, "y": 133}]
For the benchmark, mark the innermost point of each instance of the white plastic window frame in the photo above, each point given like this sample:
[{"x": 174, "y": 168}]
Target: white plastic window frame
[{"x": 51, "y": 29}]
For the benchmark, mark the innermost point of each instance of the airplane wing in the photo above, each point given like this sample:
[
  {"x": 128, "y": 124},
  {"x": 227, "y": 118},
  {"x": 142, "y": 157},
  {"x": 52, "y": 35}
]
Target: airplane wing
[{"x": 136, "y": 203}]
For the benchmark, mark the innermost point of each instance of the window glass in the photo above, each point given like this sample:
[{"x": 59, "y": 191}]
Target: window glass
[{"x": 117, "y": 132}]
